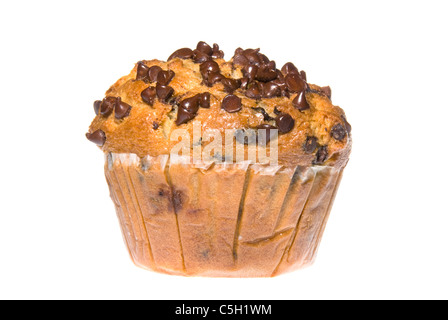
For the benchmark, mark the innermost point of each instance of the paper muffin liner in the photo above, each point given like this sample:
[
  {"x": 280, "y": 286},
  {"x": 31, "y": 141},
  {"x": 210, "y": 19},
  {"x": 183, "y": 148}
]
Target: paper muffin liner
[{"x": 218, "y": 219}]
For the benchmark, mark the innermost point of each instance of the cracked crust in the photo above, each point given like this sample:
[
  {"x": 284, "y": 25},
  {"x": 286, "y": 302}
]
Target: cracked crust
[{"x": 146, "y": 130}]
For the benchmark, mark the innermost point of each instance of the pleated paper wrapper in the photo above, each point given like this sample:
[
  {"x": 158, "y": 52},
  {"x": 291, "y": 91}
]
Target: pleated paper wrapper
[{"x": 220, "y": 219}]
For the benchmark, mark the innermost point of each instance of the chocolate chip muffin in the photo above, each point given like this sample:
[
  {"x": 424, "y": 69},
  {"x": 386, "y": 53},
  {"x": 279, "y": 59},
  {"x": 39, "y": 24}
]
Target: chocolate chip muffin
[{"x": 222, "y": 216}]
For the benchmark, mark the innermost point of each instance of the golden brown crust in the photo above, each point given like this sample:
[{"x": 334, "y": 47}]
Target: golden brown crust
[{"x": 146, "y": 129}]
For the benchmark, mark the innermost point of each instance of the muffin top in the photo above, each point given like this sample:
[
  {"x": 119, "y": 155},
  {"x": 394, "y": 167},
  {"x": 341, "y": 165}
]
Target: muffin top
[{"x": 247, "y": 93}]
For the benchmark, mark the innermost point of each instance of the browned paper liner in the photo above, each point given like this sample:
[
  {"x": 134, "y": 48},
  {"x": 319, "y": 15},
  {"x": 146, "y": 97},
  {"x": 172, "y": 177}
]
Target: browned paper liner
[{"x": 218, "y": 219}]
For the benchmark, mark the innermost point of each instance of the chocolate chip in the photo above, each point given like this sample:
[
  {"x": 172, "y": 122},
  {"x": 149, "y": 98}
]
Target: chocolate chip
[
  {"x": 230, "y": 85},
  {"x": 266, "y": 116},
  {"x": 200, "y": 57},
  {"x": 239, "y": 58},
  {"x": 244, "y": 82},
  {"x": 122, "y": 110},
  {"x": 270, "y": 90},
  {"x": 155, "y": 125},
  {"x": 184, "y": 53},
  {"x": 149, "y": 95},
  {"x": 280, "y": 82},
  {"x": 210, "y": 72},
  {"x": 289, "y": 68},
  {"x": 183, "y": 116},
  {"x": 284, "y": 122},
  {"x": 165, "y": 77},
  {"x": 310, "y": 144},
  {"x": 338, "y": 132},
  {"x": 191, "y": 105},
  {"x": 231, "y": 103},
  {"x": 348, "y": 127},
  {"x": 208, "y": 67},
  {"x": 252, "y": 56},
  {"x": 216, "y": 53},
  {"x": 204, "y": 48},
  {"x": 188, "y": 107},
  {"x": 271, "y": 132},
  {"x": 280, "y": 76},
  {"x": 254, "y": 91},
  {"x": 265, "y": 59},
  {"x": 142, "y": 71},
  {"x": 276, "y": 111},
  {"x": 303, "y": 75},
  {"x": 164, "y": 92},
  {"x": 204, "y": 100},
  {"x": 295, "y": 83},
  {"x": 300, "y": 102},
  {"x": 250, "y": 71},
  {"x": 97, "y": 106},
  {"x": 212, "y": 78},
  {"x": 327, "y": 91},
  {"x": 108, "y": 105},
  {"x": 153, "y": 72},
  {"x": 98, "y": 137},
  {"x": 321, "y": 155},
  {"x": 266, "y": 74}
]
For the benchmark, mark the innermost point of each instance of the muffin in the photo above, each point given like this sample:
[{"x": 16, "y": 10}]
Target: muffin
[{"x": 221, "y": 211}]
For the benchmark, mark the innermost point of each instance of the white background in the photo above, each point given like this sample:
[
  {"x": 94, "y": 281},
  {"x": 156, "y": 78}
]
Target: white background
[{"x": 386, "y": 62}]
